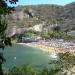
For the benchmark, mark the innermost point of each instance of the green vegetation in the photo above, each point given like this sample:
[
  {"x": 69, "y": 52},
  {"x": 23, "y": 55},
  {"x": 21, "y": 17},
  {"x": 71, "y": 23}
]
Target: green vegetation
[
  {"x": 27, "y": 70},
  {"x": 53, "y": 34},
  {"x": 4, "y": 40},
  {"x": 44, "y": 35},
  {"x": 27, "y": 35},
  {"x": 50, "y": 14},
  {"x": 59, "y": 35},
  {"x": 24, "y": 70},
  {"x": 65, "y": 62}
]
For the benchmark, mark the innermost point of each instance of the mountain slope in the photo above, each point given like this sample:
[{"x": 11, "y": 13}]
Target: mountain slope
[{"x": 50, "y": 14}]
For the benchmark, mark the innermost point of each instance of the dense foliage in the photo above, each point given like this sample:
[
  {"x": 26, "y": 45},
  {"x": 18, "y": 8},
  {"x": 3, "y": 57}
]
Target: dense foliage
[
  {"x": 4, "y": 40},
  {"x": 27, "y": 70}
]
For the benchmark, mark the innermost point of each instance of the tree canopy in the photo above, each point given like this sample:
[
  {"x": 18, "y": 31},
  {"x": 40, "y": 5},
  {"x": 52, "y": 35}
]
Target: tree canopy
[{"x": 4, "y": 40}]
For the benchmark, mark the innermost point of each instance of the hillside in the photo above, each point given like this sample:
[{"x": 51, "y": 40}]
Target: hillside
[{"x": 28, "y": 16}]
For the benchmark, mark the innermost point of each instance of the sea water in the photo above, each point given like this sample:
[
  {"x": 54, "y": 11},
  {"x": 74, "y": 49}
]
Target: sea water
[{"x": 18, "y": 55}]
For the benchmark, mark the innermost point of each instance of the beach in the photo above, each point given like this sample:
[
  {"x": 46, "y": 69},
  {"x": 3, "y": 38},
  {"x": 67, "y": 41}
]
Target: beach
[
  {"x": 44, "y": 48},
  {"x": 53, "y": 46}
]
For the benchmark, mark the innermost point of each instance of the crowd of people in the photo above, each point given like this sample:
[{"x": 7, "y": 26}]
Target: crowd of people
[{"x": 61, "y": 44}]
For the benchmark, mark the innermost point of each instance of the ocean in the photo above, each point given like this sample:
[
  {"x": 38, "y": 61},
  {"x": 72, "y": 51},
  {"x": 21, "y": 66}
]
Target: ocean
[{"x": 18, "y": 55}]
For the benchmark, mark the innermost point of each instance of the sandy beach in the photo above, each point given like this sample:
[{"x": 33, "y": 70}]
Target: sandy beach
[
  {"x": 53, "y": 46},
  {"x": 44, "y": 48}
]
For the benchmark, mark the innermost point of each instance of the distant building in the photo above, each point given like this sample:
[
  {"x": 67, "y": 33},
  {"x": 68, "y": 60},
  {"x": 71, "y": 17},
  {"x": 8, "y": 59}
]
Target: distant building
[{"x": 26, "y": 40}]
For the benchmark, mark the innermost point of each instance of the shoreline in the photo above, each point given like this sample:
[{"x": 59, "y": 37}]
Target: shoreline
[
  {"x": 43, "y": 48},
  {"x": 53, "y": 46}
]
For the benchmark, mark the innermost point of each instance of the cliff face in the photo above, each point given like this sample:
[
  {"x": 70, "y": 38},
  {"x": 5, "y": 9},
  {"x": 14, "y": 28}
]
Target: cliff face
[{"x": 29, "y": 16}]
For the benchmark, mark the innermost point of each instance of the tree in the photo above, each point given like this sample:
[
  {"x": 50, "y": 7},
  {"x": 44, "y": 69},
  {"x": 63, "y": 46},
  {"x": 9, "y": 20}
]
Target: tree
[
  {"x": 28, "y": 70},
  {"x": 23, "y": 70},
  {"x": 65, "y": 62},
  {"x": 56, "y": 28},
  {"x": 4, "y": 40},
  {"x": 49, "y": 71}
]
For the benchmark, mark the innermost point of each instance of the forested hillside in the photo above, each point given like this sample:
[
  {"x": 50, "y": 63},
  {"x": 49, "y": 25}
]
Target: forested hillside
[{"x": 28, "y": 16}]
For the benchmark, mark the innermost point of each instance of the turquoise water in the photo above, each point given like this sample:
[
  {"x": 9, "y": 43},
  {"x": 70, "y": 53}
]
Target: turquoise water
[{"x": 21, "y": 55}]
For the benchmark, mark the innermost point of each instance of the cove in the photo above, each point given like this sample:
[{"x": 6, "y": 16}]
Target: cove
[{"x": 18, "y": 55}]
